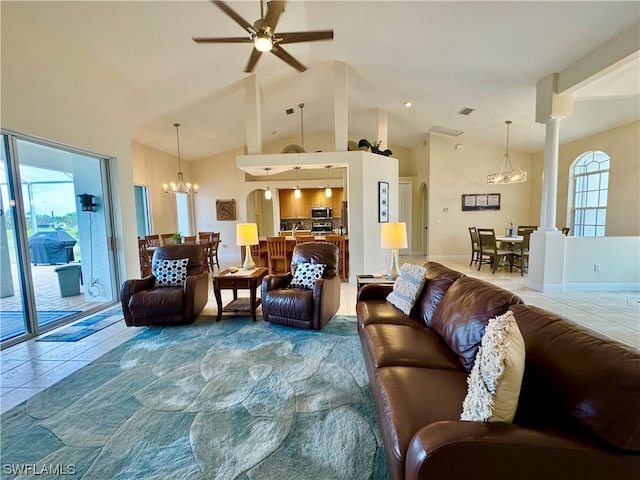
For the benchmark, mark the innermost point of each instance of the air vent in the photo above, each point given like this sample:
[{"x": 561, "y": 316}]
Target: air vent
[
  {"x": 466, "y": 111},
  {"x": 289, "y": 111},
  {"x": 445, "y": 131}
]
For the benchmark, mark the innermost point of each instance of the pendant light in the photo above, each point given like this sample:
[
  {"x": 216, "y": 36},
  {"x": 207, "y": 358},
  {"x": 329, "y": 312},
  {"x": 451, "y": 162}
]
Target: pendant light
[
  {"x": 180, "y": 186},
  {"x": 509, "y": 171},
  {"x": 297, "y": 193},
  {"x": 327, "y": 191},
  {"x": 267, "y": 191}
]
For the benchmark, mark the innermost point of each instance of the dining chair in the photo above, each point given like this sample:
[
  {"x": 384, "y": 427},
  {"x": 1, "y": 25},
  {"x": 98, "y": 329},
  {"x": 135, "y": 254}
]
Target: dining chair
[
  {"x": 166, "y": 238},
  {"x": 524, "y": 228},
  {"x": 521, "y": 253},
  {"x": 213, "y": 250},
  {"x": 276, "y": 253},
  {"x": 152, "y": 240},
  {"x": 489, "y": 251},
  {"x": 340, "y": 241},
  {"x": 144, "y": 256},
  {"x": 565, "y": 231},
  {"x": 475, "y": 245},
  {"x": 304, "y": 238},
  {"x": 190, "y": 239}
]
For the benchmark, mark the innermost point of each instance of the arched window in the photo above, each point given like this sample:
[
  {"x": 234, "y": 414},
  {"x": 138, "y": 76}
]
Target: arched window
[{"x": 590, "y": 187}]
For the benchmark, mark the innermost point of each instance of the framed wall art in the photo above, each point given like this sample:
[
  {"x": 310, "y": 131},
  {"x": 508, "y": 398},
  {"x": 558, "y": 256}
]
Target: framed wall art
[
  {"x": 480, "y": 201},
  {"x": 383, "y": 202},
  {"x": 226, "y": 209}
]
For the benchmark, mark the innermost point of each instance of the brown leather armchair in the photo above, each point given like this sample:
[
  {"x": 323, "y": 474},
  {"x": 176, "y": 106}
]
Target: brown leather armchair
[
  {"x": 299, "y": 307},
  {"x": 144, "y": 303}
]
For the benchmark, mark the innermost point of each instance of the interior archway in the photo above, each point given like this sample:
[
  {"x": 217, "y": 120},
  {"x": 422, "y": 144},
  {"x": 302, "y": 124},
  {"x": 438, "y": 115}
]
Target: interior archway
[{"x": 260, "y": 212}]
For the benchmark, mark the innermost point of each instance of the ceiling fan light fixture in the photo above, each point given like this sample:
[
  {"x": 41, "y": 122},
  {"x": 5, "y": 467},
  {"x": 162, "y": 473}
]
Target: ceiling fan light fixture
[{"x": 263, "y": 42}]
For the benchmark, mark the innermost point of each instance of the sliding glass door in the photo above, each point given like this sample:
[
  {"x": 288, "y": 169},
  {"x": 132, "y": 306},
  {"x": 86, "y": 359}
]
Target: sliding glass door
[{"x": 54, "y": 235}]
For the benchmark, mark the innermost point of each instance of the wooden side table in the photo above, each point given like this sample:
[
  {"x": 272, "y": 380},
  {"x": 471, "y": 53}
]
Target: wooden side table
[
  {"x": 362, "y": 280},
  {"x": 240, "y": 280}
]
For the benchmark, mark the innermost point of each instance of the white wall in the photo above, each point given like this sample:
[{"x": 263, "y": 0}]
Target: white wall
[
  {"x": 53, "y": 91},
  {"x": 618, "y": 259}
]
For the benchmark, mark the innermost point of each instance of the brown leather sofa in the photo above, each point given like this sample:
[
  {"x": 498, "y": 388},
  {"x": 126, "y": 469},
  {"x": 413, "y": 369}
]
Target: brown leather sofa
[
  {"x": 145, "y": 304},
  {"x": 578, "y": 414},
  {"x": 298, "y": 307}
]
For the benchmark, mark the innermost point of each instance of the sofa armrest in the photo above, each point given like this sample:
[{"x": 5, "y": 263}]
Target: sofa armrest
[
  {"x": 131, "y": 286},
  {"x": 275, "y": 281},
  {"x": 374, "y": 291},
  {"x": 451, "y": 449}
]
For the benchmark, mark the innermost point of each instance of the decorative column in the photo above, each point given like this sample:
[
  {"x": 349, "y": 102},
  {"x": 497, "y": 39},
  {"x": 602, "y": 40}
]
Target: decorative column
[
  {"x": 252, "y": 120},
  {"x": 550, "y": 175},
  {"x": 340, "y": 111}
]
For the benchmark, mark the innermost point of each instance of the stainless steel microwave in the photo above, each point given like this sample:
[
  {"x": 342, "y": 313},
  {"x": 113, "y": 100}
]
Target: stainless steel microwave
[{"x": 321, "y": 212}]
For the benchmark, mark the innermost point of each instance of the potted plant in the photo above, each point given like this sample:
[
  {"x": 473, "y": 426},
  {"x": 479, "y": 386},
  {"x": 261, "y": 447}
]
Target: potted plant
[
  {"x": 176, "y": 238},
  {"x": 364, "y": 144}
]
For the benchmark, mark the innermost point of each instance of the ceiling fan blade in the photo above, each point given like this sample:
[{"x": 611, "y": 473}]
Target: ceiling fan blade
[
  {"x": 282, "y": 55},
  {"x": 294, "y": 37},
  {"x": 274, "y": 10},
  {"x": 253, "y": 59},
  {"x": 222, "y": 40},
  {"x": 237, "y": 18}
]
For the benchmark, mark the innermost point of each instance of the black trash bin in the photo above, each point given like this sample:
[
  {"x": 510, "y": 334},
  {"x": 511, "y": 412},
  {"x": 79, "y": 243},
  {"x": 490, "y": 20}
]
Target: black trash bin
[{"x": 69, "y": 279}]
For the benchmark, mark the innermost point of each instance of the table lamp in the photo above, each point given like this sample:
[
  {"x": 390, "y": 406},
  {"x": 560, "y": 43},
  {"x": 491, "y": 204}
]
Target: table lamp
[
  {"x": 247, "y": 235},
  {"x": 393, "y": 236}
]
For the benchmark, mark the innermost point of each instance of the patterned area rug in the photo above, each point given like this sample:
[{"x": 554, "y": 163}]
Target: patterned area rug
[
  {"x": 228, "y": 400},
  {"x": 84, "y": 328}
]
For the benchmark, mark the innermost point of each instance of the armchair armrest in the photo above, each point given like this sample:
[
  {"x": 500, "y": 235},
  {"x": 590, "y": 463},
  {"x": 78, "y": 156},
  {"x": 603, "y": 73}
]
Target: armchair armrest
[
  {"x": 506, "y": 451},
  {"x": 373, "y": 291},
  {"x": 131, "y": 286},
  {"x": 275, "y": 281},
  {"x": 196, "y": 294}
]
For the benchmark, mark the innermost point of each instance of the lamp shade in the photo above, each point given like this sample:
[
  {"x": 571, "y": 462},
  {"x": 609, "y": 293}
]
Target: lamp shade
[
  {"x": 246, "y": 234},
  {"x": 393, "y": 235}
]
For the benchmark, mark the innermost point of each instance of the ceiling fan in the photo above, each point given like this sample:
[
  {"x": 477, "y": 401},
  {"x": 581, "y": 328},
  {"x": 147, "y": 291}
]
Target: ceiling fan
[{"x": 263, "y": 36}]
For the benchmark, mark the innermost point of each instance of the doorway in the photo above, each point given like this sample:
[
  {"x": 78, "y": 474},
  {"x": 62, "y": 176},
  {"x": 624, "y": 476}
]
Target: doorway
[
  {"x": 54, "y": 231},
  {"x": 260, "y": 212}
]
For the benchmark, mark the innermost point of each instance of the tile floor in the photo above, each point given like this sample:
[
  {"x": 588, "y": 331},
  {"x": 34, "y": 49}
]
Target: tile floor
[{"x": 32, "y": 366}]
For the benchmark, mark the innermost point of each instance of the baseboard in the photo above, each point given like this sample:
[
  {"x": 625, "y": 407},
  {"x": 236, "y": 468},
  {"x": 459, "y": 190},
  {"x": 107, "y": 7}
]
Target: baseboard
[{"x": 608, "y": 287}]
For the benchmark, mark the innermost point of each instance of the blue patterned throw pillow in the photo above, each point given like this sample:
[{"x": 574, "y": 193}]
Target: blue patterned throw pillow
[
  {"x": 170, "y": 273},
  {"x": 307, "y": 274},
  {"x": 407, "y": 287}
]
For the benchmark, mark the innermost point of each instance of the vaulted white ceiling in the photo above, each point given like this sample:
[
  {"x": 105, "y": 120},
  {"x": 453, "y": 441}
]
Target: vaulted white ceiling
[{"x": 442, "y": 56}]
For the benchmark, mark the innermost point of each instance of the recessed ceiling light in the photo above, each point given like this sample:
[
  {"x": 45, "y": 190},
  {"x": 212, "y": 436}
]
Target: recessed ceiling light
[{"x": 408, "y": 104}]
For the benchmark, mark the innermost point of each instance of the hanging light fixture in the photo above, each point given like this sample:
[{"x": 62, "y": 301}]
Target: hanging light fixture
[
  {"x": 181, "y": 186},
  {"x": 297, "y": 193},
  {"x": 509, "y": 172},
  {"x": 267, "y": 191},
  {"x": 327, "y": 191}
]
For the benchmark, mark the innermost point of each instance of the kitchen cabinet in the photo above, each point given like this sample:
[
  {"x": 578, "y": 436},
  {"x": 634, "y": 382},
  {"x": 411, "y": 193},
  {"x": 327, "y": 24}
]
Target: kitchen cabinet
[{"x": 292, "y": 207}]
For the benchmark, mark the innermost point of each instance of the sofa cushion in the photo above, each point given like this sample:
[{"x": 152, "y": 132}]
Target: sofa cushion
[
  {"x": 573, "y": 374},
  {"x": 289, "y": 303},
  {"x": 168, "y": 272},
  {"x": 407, "y": 399},
  {"x": 464, "y": 311},
  {"x": 439, "y": 279},
  {"x": 496, "y": 376},
  {"x": 411, "y": 346},
  {"x": 380, "y": 311},
  {"x": 407, "y": 287}
]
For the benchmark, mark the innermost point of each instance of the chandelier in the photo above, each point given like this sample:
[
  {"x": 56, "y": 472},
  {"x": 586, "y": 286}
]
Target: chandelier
[
  {"x": 509, "y": 172},
  {"x": 180, "y": 186}
]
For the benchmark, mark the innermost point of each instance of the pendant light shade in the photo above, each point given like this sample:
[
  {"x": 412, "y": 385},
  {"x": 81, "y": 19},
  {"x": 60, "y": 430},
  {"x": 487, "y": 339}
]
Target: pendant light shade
[
  {"x": 267, "y": 191},
  {"x": 297, "y": 193},
  {"x": 327, "y": 191},
  {"x": 181, "y": 186},
  {"x": 509, "y": 171}
]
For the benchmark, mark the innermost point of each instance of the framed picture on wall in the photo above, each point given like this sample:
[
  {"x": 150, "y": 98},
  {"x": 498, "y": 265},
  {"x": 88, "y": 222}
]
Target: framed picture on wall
[
  {"x": 225, "y": 210},
  {"x": 480, "y": 201},
  {"x": 383, "y": 202}
]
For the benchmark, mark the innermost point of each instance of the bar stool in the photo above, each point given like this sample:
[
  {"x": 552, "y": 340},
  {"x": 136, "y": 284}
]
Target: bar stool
[{"x": 341, "y": 242}]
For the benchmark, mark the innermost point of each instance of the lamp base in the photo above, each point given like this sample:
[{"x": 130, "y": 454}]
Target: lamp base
[
  {"x": 248, "y": 264},
  {"x": 393, "y": 272}
]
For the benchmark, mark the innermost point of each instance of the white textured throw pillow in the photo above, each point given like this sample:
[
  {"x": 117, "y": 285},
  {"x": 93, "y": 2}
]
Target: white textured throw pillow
[
  {"x": 307, "y": 274},
  {"x": 170, "y": 273},
  {"x": 407, "y": 287},
  {"x": 496, "y": 376}
]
